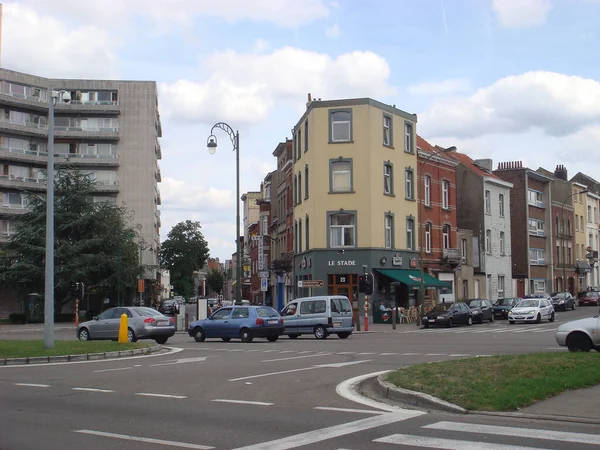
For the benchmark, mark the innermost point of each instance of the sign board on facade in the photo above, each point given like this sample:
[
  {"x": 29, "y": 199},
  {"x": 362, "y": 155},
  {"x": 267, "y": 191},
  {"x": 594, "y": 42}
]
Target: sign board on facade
[
  {"x": 397, "y": 260},
  {"x": 264, "y": 274},
  {"x": 451, "y": 254},
  {"x": 261, "y": 257},
  {"x": 264, "y": 284},
  {"x": 257, "y": 238},
  {"x": 341, "y": 263},
  {"x": 310, "y": 283}
]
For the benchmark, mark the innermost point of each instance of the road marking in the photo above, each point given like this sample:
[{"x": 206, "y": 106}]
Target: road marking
[
  {"x": 148, "y": 394},
  {"x": 242, "y": 402},
  {"x": 180, "y": 361},
  {"x": 435, "y": 354},
  {"x": 269, "y": 351},
  {"x": 346, "y": 353},
  {"x": 365, "y": 353},
  {"x": 411, "y": 354},
  {"x": 295, "y": 357},
  {"x": 334, "y": 365},
  {"x": 254, "y": 350},
  {"x": 305, "y": 351},
  {"x": 547, "y": 329},
  {"x": 459, "y": 354},
  {"x": 112, "y": 370},
  {"x": 32, "y": 385},
  {"x": 92, "y": 390},
  {"x": 445, "y": 444},
  {"x": 143, "y": 439},
  {"x": 237, "y": 349},
  {"x": 312, "y": 437},
  {"x": 287, "y": 351},
  {"x": 362, "y": 411},
  {"x": 387, "y": 354},
  {"x": 343, "y": 364},
  {"x": 564, "y": 436}
]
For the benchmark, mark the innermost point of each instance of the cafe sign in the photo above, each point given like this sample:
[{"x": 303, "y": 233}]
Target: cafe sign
[{"x": 397, "y": 260}]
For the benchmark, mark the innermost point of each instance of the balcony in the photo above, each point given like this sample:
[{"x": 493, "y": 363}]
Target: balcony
[
  {"x": 452, "y": 255},
  {"x": 12, "y": 209},
  {"x": 73, "y": 132},
  {"x": 4, "y": 237},
  {"x": 92, "y": 107},
  {"x": 24, "y": 128},
  {"x": 106, "y": 186},
  {"x": 158, "y": 199},
  {"x": 31, "y": 101},
  {"x": 87, "y": 160},
  {"x": 158, "y": 174},
  {"x": 24, "y": 183},
  {"x": 21, "y": 155}
]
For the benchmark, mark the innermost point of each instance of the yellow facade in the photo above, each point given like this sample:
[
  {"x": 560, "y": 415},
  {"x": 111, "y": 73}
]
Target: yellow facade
[
  {"x": 367, "y": 155},
  {"x": 579, "y": 210}
]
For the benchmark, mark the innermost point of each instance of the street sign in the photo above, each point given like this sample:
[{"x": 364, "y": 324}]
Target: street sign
[
  {"x": 256, "y": 238},
  {"x": 310, "y": 283},
  {"x": 264, "y": 284},
  {"x": 264, "y": 274}
]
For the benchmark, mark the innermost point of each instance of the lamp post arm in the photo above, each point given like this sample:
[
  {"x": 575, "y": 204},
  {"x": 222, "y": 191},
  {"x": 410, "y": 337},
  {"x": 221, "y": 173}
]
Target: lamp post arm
[{"x": 227, "y": 129}]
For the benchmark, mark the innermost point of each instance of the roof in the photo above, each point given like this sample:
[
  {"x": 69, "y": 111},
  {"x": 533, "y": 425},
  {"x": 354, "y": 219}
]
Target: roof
[
  {"x": 425, "y": 146},
  {"x": 467, "y": 161}
]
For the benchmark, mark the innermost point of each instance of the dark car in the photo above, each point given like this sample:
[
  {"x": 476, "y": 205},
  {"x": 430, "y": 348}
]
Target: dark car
[
  {"x": 448, "y": 314},
  {"x": 563, "y": 301},
  {"x": 169, "y": 308},
  {"x": 481, "y": 308},
  {"x": 504, "y": 305},
  {"x": 589, "y": 298}
]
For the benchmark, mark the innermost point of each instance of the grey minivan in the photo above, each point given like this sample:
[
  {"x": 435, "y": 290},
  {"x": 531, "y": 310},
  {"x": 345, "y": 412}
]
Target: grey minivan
[{"x": 321, "y": 316}]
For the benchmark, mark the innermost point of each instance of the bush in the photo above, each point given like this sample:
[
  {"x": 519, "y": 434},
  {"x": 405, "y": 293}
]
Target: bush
[{"x": 17, "y": 317}]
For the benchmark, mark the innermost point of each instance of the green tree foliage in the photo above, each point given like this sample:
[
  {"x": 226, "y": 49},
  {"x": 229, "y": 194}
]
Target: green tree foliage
[
  {"x": 93, "y": 242},
  {"x": 183, "y": 252},
  {"x": 215, "y": 281}
]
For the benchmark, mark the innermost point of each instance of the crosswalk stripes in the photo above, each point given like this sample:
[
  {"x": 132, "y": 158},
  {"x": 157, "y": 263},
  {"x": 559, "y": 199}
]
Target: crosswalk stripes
[{"x": 444, "y": 444}]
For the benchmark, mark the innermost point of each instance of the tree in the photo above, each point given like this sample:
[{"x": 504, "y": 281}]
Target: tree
[
  {"x": 93, "y": 242},
  {"x": 183, "y": 252},
  {"x": 215, "y": 281}
]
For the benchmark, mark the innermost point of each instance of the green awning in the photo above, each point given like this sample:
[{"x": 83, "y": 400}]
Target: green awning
[{"x": 413, "y": 278}]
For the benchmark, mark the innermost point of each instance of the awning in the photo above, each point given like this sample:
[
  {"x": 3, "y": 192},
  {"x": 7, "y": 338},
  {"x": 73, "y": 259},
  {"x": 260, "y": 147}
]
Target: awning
[
  {"x": 583, "y": 267},
  {"x": 413, "y": 278}
]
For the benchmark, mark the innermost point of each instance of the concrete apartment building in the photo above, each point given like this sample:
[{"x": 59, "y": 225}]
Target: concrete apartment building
[
  {"x": 109, "y": 128},
  {"x": 531, "y": 218}
]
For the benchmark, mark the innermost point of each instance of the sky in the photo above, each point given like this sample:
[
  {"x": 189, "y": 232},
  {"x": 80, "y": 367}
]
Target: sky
[{"x": 501, "y": 79}]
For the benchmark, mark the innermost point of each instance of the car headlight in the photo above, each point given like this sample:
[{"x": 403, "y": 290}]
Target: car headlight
[
  {"x": 561, "y": 302},
  {"x": 510, "y": 312},
  {"x": 531, "y": 312}
]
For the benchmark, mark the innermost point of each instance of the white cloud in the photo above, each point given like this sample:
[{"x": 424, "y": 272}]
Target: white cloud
[
  {"x": 333, "y": 31},
  {"x": 444, "y": 87},
  {"x": 245, "y": 87},
  {"x": 557, "y": 104},
  {"x": 46, "y": 46},
  {"x": 261, "y": 45},
  {"x": 521, "y": 13}
]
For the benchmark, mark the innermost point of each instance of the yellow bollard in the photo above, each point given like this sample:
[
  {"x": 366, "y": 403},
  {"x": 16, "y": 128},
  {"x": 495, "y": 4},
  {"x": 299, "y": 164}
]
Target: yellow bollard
[{"x": 123, "y": 330}]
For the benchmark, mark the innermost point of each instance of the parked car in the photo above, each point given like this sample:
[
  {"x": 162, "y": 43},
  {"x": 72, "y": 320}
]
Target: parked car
[
  {"x": 482, "y": 309},
  {"x": 503, "y": 305},
  {"x": 589, "y": 298},
  {"x": 540, "y": 295},
  {"x": 143, "y": 323},
  {"x": 580, "y": 335},
  {"x": 169, "y": 308},
  {"x": 531, "y": 310},
  {"x": 243, "y": 322},
  {"x": 321, "y": 316},
  {"x": 563, "y": 300},
  {"x": 448, "y": 314}
]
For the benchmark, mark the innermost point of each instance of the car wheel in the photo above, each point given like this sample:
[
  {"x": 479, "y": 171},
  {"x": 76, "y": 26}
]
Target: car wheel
[
  {"x": 272, "y": 338},
  {"x": 470, "y": 321},
  {"x": 246, "y": 335},
  {"x": 225, "y": 339},
  {"x": 538, "y": 319},
  {"x": 512, "y": 322},
  {"x": 492, "y": 318},
  {"x": 161, "y": 340},
  {"x": 450, "y": 322},
  {"x": 84, "y": 335},
  {"x": 320, "y": 332},
  {"x": 343, "y": 335},
  {"x": 199, "y": 335},
  {"x": 426, "y": 325},
  {"x": 579, "y": 342},
  {"x": 131, "y": 335},
  {"x": 552, "y": 317},
  {"x": 293, "y": 336}
]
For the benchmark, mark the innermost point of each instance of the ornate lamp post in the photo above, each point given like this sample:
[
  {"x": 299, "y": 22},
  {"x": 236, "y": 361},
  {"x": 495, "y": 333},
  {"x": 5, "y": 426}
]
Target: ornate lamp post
[{"x": 211, "y": 143}]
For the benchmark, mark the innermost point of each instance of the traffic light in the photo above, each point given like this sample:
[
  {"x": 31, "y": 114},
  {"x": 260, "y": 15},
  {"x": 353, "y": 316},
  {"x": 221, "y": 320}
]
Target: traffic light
[
  {"x": 362, "y": 282},
  {"x": 368, "y": 283}
]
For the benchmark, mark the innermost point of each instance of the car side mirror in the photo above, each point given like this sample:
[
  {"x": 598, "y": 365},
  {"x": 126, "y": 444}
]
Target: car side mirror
[{"x": 96, "y": 318}]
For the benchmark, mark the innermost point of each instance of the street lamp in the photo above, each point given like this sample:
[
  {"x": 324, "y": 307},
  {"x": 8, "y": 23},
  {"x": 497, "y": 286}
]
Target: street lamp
[
  {"x": 562, "y": 214},
  {"x": 211, "y": 143},
  {"x": 422, "y": 233},
  {"x": 49, "y": 258}
]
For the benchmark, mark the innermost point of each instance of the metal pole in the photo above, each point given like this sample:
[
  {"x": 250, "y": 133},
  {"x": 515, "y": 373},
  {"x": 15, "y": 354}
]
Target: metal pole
[
  {"x": 49, "y": 258},
  {"x": 141, "y": 276},
  {"x": 119, "y": 268},
  {"x": 238, "y": 272},
  {"x": 564, "y": 261}
]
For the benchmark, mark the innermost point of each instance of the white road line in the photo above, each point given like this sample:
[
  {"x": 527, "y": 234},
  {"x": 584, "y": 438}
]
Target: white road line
[
  {"x": 387, "y": 354},
  {"x": 547, "y": 329},
  {"x": 446, "y": 444},
  {"x": 459, "y": 354},
  {"x": 346, "y": 353},
  {"x": 411, "y": 354},
  {"x": 305, "y": 351},
  {"x": 534, "y": 433},
  {"x": 93, "y": 390},
  {"x": 287, "y": 351},
  {"x": 365, "y": 353},
  {"x": 435, "y": 354},
  {"x": 272, "y": 373},
  {"x": 32, "y": 385},
  {"x": 237, "y": 349},
  {"x": 295, "y": 357},
  {"x": 269, "y": 351},
  {"x": 143, "y": 439},
  {"x": 350, "y": 410},
  {"x": 254, "y": 350},
  {"x": 112, "y": 370},
  {"x": 242, "y": 402},
  {"x": 312, "y": 437},
  {"x": 148, "y": 394}
]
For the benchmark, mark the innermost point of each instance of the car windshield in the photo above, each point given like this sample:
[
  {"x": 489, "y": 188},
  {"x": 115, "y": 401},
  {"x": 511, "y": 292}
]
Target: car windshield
[
  {"x": 529, "y": 303},
  {"x": 147, "y": 312},
  {"x": 589, "y": 294},
  {"x": 266, "y": 311},
  {"x": 440, "y": 308},
  {"x": 474, "y": 303},
  {"x": 505, "y": 302}
]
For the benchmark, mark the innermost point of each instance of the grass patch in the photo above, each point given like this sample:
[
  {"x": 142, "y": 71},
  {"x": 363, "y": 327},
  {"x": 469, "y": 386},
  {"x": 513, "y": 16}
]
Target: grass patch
[
  {"x": 501, "y": 383},
  {"x": 22, "y": 349}
]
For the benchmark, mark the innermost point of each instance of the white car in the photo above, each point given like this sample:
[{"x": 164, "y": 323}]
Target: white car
[
  {"x": 532, "y": 310},
  {"x": 580, "y": 335}
]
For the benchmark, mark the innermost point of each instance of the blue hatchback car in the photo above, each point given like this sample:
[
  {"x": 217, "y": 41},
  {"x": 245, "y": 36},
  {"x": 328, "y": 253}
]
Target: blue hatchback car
[{"x": 243, "y": 322}]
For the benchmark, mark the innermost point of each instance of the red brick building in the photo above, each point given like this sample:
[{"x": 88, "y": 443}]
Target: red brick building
[{"x": 437, "y": 198}]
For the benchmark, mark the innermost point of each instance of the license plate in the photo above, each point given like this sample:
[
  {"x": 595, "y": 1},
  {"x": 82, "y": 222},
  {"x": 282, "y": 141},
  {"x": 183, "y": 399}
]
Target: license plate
[
  {"x": 163, "y": 324},
  {"x": 271, "y": 322},
  {"x": 337, "y": 324}
]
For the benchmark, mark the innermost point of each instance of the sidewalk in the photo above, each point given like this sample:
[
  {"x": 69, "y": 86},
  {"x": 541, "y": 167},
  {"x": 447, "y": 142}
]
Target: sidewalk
[{"x": 582, "y": 403}]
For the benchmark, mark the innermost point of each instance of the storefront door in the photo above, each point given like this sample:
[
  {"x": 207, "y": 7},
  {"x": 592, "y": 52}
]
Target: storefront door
[{"x": 344, "y": 285}]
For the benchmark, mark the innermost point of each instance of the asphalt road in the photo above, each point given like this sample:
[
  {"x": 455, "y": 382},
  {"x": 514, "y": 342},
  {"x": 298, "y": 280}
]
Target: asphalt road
[{"x": 268, "y": 396}]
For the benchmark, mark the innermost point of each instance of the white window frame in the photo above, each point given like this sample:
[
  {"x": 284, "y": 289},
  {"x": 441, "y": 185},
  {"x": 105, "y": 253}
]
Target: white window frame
[
  {"x": 537, "y": 227},
  {"x": 388, "y": 230},
  {"x": 445, "y": 194},
  {"x": 342, "y": 229},
  {"x": 535, "y": 198},
  {"x": 408, "y": 138},
  {"x": 446, "y": 236},
  {"x": 387, "y": 130},
  {"x": 427, "y": 190},
  {"x": 537, "y": 256},
  {"x": 488, "y": 202},
  {"x": 388, "y": 189},
  {"x": 501, "y": 283},
  {"x": 340, "y": 123},
  {"x": 428, "y": 237},
  {"x": 410, "y": 236},
  {"x": 501, "y": 205},
  {"x": 502, "y": 243},
  {"x": 341, "y": 173},
  {"x": 488, "y": 242},
  {"x": 408, "y": 183}
]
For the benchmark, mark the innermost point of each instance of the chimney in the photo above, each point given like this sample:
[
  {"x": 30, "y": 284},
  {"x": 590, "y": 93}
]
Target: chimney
[
  {"x": 309, "y": 100},
  {"x": 561, "y": 172},
  {"x": 486, "y": 164}
]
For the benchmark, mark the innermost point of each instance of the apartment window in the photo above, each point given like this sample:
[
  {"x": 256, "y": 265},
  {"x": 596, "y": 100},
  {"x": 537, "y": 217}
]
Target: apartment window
[
  {"x": 465, "y": 289},
  {"x": 342, "y": 230},
  {"x": 299, "y": 236},
  {"x": 569, "y": 227},
  {"x": 488, "y": 241},
  {"x": 295, "y": 187},
  {"x": 569, "y": 255},
  {"x": 445, "y": 193},
  {"x": 305, "y": 182},
  {"x": 590, "y": 240},
  {"x": 501, "y": 205},
  {"x": 446, "y": 236},
  {"x": 427, "y": 238},
  {"x": 299, "y": 146},
  {"x": 340, "y": 129},
  {"x": 488, "y": 202},
  {"x": 410, "y": 233},
  {"x": 537, "y": 227},
  {"x": 463, "y": 248},
  {"x": 427, "y": 189},
  {"x": 299, "y": 187},
  {"x": 306, "y": 229},
  {"x": 536, "y": 198},
  {"x": 306, "y": 136},
  {"x": 500, "y": 284},
  {"x": 388, "y": 225},
  {"x": 537, "y": 256},
  {"x": 387, "y": 131},
  {"x": 264, "y": 225},
  {"x": 408, "y": 138},
  {"x": 581, "y": 223},
  {"x": 557, "y": 254},
  {"x": 502, "y": 244},
  {"x": 577, "y": 251},
  {"x": 408, "y": 177},
  {"x": 576, "y": 222},
  {"x": 538, "y": 286},
  {"x": 388, "y": 179},
  {"x": 340, "y": 175}
]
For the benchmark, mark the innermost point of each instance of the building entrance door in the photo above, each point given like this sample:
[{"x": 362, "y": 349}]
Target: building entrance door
[{"x": 345, "y": 285}]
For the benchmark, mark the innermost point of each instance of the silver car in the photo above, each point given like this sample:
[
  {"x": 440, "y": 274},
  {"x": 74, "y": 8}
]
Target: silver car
[
  {"x": 143, "y": 323},
  {"x": 531, "y": 310},
  {"x": 580, "y": 335}
]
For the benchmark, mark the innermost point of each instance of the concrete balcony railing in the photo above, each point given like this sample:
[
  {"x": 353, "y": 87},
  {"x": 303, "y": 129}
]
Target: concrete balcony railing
[
  {"x": 27, "y": 183},
  {"x": 79, "y": 107},
  {"x": 87, "y": 133},
  {"x": 12, "y": 210}
]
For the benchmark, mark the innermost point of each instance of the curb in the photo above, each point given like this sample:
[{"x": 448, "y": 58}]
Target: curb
[
  {"x": 549, "y": 417},
  {"x": 80, "y": 357}
]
